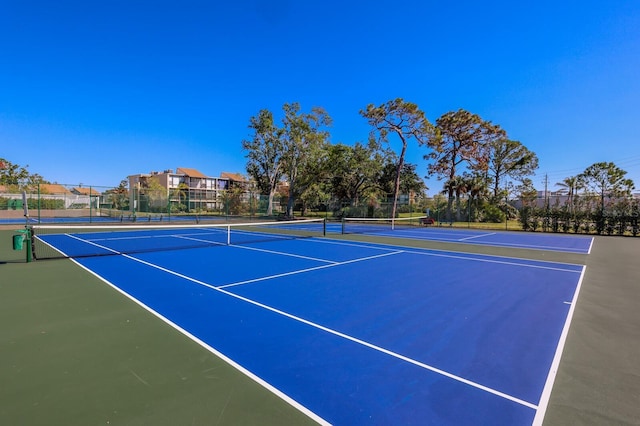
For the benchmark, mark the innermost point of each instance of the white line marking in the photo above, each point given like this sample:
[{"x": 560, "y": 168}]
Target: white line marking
[
  {"x": 553, "y": 370},
  {"x": 93, "y": 244},
  {"x": 301, "y": 271},
  {"x": 282, "y": 253},
  {"x": 200, "y": 240},
  {"x": 590, "y": 245},
  {"x": 476, "y": 236},
  {"x": 567, "y": 303},
  {"x": 344, "y": 336}
]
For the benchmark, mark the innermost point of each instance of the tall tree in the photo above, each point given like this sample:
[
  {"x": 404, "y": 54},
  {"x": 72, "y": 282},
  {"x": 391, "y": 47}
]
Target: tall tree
[
  {"x": 304, "y": 140},
  {"x": 119, "y": 196},
  {"x": 264, "y": 154},
  {"x": 509, "y": 158},
  {"x": 406, "y": 121},
  {"x": 527, "y": 193},
  {"x": 460, "y": 142},
  {"x": 410, "y": 181},
  {"x": 607, "y": 180},
  {"x": 156, "y": 194},
  {"x": 354, "y": 171}
]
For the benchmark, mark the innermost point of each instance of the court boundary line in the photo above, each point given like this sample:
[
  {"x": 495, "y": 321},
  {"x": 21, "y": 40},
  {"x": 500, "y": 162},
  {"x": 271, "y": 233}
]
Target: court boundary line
[
  {"x": 342, "y": 335},
  {"x": 545, "y": 396}
]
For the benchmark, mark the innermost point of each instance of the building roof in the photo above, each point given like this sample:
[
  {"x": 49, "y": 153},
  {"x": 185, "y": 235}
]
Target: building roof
[
  {"x": 53, "y": 188},
  {"x": 86, "y": 191},
  {"x": 190, "y": 172},
  {"x": 236, "y": 177}
]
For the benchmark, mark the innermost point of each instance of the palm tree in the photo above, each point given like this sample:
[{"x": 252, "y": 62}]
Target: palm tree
[
  {"x": 454, "y": 187},
  {"x": 460, "y": 188},
  {"x": 180, "y": 191},
  {"x": 570, "y": 185},
  {"x": 449, "y": 188},
  {"x": 477, "y": 188}
]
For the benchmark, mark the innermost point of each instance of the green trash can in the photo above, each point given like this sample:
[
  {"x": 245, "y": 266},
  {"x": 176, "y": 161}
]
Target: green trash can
[{"x": 18, "y": 241}]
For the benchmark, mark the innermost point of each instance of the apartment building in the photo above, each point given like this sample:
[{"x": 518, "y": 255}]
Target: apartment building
[{"x": 184, "y": 187}]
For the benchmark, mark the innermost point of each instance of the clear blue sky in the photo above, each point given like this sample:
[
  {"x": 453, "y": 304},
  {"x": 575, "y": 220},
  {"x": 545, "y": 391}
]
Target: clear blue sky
[{"x": 93, "y": 91}]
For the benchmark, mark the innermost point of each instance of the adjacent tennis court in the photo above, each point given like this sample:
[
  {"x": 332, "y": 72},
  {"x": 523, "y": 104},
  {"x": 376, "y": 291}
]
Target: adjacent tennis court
[
  {"x": 350, "y": 332},
  {"x": 410, "y": 228}
]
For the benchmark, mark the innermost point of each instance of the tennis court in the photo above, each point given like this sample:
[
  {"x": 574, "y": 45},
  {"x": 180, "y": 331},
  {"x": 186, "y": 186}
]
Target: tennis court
[{"x": 351, "y": 332}]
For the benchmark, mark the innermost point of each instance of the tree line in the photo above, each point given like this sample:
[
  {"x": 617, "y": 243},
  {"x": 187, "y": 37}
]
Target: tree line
[{"x": 465, "y": 151}]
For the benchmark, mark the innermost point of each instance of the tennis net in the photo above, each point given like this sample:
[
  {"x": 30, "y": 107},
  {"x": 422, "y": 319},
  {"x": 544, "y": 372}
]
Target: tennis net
[
  {"x": 353, "y": 225},
  {"x": 59, "y": 241}
]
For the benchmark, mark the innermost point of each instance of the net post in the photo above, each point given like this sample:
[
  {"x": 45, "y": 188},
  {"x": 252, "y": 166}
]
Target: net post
[
  {"x": 90, "y": 206},
  {"x": 324, "y": 227},
  {"x": 29, "y": 236},
  {"x": 342, "y": 227},
  {"x": 228, "y": 235},
  {"x": 39, "y": 203}
]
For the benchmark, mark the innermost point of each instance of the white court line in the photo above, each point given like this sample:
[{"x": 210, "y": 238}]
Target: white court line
[
  {"x": 343, "y": 335},
  {"x": 283, "y": 253},
  {"x": 477, "y": 236},
  {"x": 93, "y": 244},
  {"x": 301, "y": 271},
  {"x": 553, "y": 370}
]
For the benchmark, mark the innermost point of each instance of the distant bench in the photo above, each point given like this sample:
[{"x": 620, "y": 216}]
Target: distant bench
[{"x": 426, "y": 221}]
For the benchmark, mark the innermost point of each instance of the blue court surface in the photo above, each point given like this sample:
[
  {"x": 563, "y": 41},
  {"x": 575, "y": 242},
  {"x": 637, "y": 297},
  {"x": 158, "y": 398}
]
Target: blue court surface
[
  {"x": 523, "y": 240},
  {"x": 354, "y": 333}
]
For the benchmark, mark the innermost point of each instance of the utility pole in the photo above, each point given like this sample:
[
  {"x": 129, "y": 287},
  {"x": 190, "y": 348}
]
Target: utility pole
[{"x": 545, "y": 221}]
